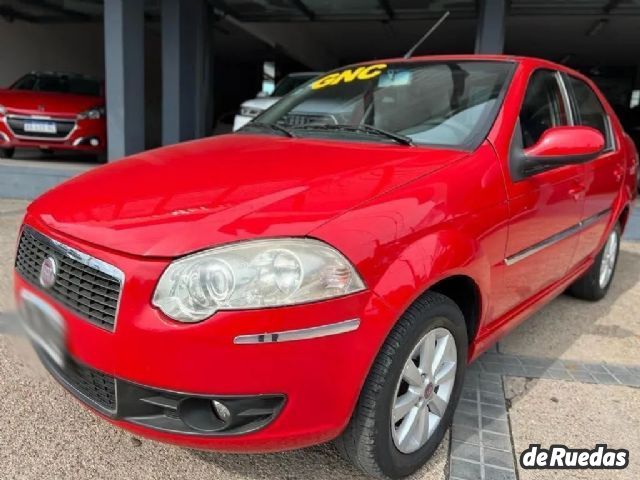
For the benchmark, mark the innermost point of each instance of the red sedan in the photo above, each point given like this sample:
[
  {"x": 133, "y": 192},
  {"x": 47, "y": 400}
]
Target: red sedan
[
  {"x": 52, "y": 111},
  {"x": 329, "y": 271}
]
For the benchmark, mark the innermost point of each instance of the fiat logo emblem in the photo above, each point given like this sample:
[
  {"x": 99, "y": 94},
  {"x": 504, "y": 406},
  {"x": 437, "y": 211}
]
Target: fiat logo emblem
[{"x": 48, "y": 272}]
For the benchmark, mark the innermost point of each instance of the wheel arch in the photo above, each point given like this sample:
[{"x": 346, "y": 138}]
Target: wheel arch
[
  {"x": 465, "y": 293},
  {"x": 447, "y": 262}
]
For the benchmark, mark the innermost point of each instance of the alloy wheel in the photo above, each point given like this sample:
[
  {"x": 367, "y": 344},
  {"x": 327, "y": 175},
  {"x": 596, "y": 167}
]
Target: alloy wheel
[
  {"x": 423, "y": 390},
  {"x": 608, "y": 261}
]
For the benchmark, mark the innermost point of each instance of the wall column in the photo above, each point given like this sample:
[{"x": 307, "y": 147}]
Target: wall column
[
  {"x": 185, "y": 69},
  {"x": 124, "y": 76},
  {"x": 491, "y": 27}
]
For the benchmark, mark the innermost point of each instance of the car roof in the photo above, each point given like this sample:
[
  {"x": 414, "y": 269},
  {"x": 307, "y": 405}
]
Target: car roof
[
  {"x": 532, "y": 62},
  {"x": 61, "y": 74}
]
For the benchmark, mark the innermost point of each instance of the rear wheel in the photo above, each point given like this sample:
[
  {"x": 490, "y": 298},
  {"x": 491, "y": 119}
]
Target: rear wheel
[
  {"x": 7, "y": 152},
  {"x": 409, "y": 397},
  {"x": 595, "y": 283}
]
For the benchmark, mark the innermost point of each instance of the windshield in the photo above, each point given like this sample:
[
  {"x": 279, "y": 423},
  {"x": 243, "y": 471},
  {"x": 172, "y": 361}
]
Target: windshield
[
  {"x": 450, "y": 103},
  {"x": 59, "y": 84},
  {"x": 290, "y": 83}
]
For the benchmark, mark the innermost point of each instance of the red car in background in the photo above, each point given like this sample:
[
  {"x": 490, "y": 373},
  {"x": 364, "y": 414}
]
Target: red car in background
[
  {"x": 329, "y": 271},
  {"x": 53, "y": 111}
]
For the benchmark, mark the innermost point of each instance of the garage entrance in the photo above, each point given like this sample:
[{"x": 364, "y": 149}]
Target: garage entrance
[{"x": 176, "y": 70}]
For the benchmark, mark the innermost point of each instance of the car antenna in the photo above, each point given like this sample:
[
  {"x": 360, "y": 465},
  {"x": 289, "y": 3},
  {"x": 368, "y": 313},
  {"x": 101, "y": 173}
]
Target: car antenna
[{"x": 409, "y": 54}]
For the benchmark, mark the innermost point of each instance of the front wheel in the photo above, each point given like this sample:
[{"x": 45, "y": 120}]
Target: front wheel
[
  {"x": 410, "y": 395},
  {"x": 595, "y": 283}
]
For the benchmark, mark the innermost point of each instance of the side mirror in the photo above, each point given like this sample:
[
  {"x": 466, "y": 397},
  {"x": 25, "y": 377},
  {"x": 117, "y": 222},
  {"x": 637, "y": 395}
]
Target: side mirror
[
  {"x": 262, "y": 94},
  {"x": 556, "y": 147}
]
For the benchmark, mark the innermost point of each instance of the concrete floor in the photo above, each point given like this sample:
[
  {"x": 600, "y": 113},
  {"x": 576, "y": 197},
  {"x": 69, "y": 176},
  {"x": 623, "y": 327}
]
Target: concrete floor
[
  {"x": 34, "y": 157},
  {"x": 46, "y": 434},
  {"x": 30, "y": 172},
  {"x": 551, "y": 412}
]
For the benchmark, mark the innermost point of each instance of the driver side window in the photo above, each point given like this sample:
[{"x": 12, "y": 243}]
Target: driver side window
[{"x": 543, "y": 107}]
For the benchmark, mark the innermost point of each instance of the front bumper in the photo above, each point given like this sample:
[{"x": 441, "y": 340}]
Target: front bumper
[
  {"x": 319, "y": 379},
  {"x": 85, "y": 136}
]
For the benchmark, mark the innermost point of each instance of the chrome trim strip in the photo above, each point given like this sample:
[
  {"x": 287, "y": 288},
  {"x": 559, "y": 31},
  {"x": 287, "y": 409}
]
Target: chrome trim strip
[
  {"x": 41, "y": 117},
  {"x": 89, "y": 261},
  {"x": 547, "y": 242},
  {"x": 302, "y": 334},
  {"x": 81, "y": 257}
]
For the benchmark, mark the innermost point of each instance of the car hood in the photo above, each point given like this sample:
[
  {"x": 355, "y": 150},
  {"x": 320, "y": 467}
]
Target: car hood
[
  {"x": 47, "y": 103},
  {"x": 260, "y": 103},
  {"x": 180, "y": 199}
]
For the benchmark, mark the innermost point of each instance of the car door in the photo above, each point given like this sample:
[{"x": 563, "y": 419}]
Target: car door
[
  {"x": 604, "y": 175},
  {"x": 544, "y": 207}
]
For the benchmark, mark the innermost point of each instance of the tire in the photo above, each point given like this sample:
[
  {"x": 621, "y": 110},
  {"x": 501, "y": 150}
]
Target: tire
[
  {"x": 590, "y": 286},
  {"x": 368, "y": 441},
  {"x": 7, "y": 152}
]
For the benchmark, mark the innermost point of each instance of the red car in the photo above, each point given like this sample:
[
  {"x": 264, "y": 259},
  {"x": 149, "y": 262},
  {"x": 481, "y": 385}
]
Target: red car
[
  {"x": 53, "y": 111},
  {"x": 329, "y": 271}
]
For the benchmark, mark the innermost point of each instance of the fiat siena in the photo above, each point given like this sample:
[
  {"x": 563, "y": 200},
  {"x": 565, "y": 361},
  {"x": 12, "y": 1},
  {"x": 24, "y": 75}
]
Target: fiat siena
[{"x": 329, "y": 271}]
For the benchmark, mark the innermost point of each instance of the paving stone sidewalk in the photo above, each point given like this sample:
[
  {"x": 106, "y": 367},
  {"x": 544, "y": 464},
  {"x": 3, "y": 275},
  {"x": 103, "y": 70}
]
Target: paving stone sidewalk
[{"x": 481, "y": 441}]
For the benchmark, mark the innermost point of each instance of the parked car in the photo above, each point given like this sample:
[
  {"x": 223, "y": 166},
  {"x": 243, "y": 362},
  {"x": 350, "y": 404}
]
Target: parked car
[
  {"x": 289, "y": 285},
  {"x": 53, "y": 111},
  {"x": 254, "y": 107}
]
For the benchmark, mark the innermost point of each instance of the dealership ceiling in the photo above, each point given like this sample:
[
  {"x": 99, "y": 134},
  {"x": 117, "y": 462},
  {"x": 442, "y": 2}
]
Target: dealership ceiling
[{"x": 578, "y": 32}]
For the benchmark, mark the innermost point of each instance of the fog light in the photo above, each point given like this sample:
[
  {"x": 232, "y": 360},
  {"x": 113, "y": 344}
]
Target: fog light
[
  {"x": 94, "y": 142},
  {"x": 221, "y": 410}
]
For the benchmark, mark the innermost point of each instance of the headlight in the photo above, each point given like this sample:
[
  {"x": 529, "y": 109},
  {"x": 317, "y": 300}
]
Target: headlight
[
  {"x": 254, "y": 274},
  {"x": 92, "y": 114},
  {"x": 250, "y": 111}
]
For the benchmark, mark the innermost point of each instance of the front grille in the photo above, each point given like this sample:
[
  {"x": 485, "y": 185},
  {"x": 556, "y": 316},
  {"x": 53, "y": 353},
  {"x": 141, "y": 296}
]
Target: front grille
[
  {"x": 81, "y": 284},
  {"x": 97, "y": 386},
  {"x": 63, "y": 127},
  {"x": 301, "y": 119},
  {"x": 90, "y": 386}
]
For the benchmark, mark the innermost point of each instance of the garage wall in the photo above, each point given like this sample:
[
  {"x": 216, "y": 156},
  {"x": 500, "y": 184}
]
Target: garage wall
[{"x": 65, "y": 47}]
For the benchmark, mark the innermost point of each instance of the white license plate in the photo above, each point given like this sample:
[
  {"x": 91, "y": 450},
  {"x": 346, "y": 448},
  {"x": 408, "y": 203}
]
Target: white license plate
[
  {"x": 44, "y": 326},
  {"x": 40, "y": 127}
]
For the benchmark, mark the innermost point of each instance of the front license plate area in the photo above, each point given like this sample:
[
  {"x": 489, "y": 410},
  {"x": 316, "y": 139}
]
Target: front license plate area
[
  {"x": 44, "y": 326},
  {"x": 40, "y": 127}
]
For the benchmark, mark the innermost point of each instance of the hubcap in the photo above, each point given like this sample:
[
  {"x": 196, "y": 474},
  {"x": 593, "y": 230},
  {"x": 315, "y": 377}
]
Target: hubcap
[
  {"x": 424, "y": 389},
  {"x": 608, "y": 261}
]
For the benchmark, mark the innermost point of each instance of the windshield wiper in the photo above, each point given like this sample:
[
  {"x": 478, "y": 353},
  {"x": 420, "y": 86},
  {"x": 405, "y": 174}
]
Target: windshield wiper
[
  {"x": 362, "y": 128},
  {"x": 271, "y": 126}
]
